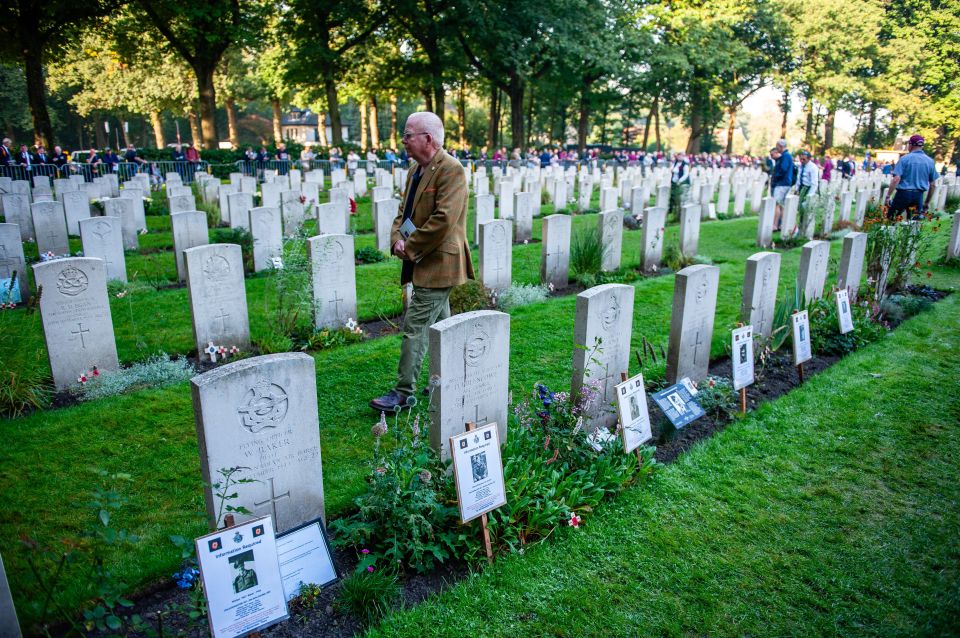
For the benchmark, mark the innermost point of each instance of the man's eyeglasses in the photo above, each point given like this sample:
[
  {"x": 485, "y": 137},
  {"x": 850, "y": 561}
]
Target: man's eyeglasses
[{"x": 409, "y": 136}]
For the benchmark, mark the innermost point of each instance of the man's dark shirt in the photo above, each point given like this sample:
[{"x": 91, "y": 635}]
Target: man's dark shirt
[{"x": 407, "y": 269}]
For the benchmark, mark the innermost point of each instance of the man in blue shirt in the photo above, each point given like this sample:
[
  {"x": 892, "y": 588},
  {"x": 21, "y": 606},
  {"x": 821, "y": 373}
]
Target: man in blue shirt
[
  {"x": 913, "y": 174},
  {"x": 782, "y": 179}
]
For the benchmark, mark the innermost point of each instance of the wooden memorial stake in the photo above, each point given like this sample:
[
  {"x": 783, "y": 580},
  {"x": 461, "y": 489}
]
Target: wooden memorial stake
[
  {"x": 483, "y": 517},
  {"x": 229, "y": 521},
  {"x": 743, "y": 400},
  {"x": 800, "y": 372}
]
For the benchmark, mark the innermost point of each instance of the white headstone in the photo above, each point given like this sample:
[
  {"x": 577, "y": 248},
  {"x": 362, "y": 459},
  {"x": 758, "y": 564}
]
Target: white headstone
[
  {"x": 610, "y": 227},
  {"x": 953, "y": 248},
  {"x": 182, "y": 203},
  {"x": 293, "y": 211},
  {"x": 266, "y": 229},
  {"x": 16, "y": 210},
  {"x": 851, "y": 263},
  {"x": 75, "y": 311},
  {"x": 334, "y": 280},
  {"x": 653, "y": 230},
  {"x": 760, "y": 282},
  {"x": 385, "y": 212},
  {"x": 496, "y": 257},
  {"x": 484, "y": 213},
  {"x": 76, "y": 207},
  {"x": 812, "y": 273},
  {"x": 689, "y": 229},
  {"x": 506, "y": 200},
  {"x": 123, "y": 208},
  {"x": 261, "y": 414},
  {"x": 50, "y": 224},
  {"x": 12, "y": 261},
  {"x": 523, "y": 212},
  {"x": 218, "y": 299},
  {"x": 691, "y": 325},
  {"x": 765, "y": 223},
  {"x": 555, "y": 250},
  {"x": 330, "y": 220},
  {"x": 189, "y": 230},
  {"x": 102, "y": 237},
  {"x": 9, "y": 626}
]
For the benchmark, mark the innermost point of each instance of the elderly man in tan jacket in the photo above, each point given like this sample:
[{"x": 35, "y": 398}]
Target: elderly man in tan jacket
[{"x": 436, "y": 256}]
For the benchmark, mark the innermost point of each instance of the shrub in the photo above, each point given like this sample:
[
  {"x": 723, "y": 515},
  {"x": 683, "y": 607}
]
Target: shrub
[
  {"x": 406, "y": 513},
  {"x": 521, "y": 295},
  {"x": 470, "y": 296},
  {"x": 368, "y": 255},
  {"x": 825, "y": 337},
  {"x": 158, "y": 370},
  {"x": 717, "y": 397},
  {"x": 293, "y": 311},
  {"x": 892, "y": 254},
  {"x": 369, "y": 595},
  {"x": 212, "y": 212},
  {"x": 676, "y": 260},
  {"x": 25, "y": 388},
  {"x": 586, "y": 252},
  {"x": 333, "y": 337},
  {"x": 951, "y": 204}
]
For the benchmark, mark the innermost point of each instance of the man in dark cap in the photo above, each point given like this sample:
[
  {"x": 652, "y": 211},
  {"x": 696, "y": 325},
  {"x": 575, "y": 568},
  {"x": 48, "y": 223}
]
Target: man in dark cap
[{"x": 913, "y": 175}]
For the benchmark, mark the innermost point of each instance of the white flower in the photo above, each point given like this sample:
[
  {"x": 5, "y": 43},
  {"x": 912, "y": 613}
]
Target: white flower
[{"x": 351, "y": 324}]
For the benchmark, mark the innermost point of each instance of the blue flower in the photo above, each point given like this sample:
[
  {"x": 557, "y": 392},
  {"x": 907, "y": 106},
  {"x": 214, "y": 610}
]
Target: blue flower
[
  {"x": 545, "y": 395},
  {"x": 186, "y": 578}
]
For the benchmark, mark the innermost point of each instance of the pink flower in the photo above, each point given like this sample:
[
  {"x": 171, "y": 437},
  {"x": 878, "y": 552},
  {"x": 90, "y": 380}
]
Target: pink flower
[
  {"x": 574, "y": 521},
  {"x": 82, "y": 378},
  {"x": 370, "y": 569},
  {"x": 96, "y": 372},
  {"x": 364, "y": 551}
]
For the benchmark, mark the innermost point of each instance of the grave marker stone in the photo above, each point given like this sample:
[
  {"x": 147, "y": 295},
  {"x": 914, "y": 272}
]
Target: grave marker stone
[
  {"x": 496, "y": 257},
  {"x": 611, "y": 239},
  {"x": 555, "y": 250},
  {"x": 765, "y": 223},
  {"x": 689, "y": 230},
  {"x": 102, "y": 237},
  {"x": 506, "y": 200},
  {"x": 16, "y": 210},
  {"x": 76, "y": 207},
  {"x": 812, "y": 274},
  {"x": 469, "y": 353},
  {"x": 691, "y": 325},
  {"x": 135, "y": 195},
  {"x": 330, "y": 220},
  {"x": 240, "y": 205},
  {"x": 182, "y": 203},
  {"x": 189, "y": 230},
  {"x": 267, "y": 230},
  {"x": 248, "y": 185},
  {"x": 218, "y": 300},
  {"x": 385, "y": 211},
  {"x": 334, "y": 280},
  {"x": 788, "y": 226},
  {"x": 50, "y": 225},
  {"x": 523, "y": 211},
  {"x": 12, "y": 261},
  {"x": 293, "y": 211},
  {"x": 654, "y": 221},
  {"x": 953, "y": 248},
  {"x": 602, "y": 329},
  {"x": 261, "y": 413},
  {"x": 9, "y": 626},
  {"x": 760, "y": 281},
  {"x": 484, "y": 213},
  {"x": 75, "y": 312},
  {"x": 123, "y": 208},
  {"x": 851, "y": 263}
]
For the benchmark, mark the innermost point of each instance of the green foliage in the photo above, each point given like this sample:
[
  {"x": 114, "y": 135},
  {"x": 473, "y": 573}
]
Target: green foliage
[
  {"x": 158, "y": 370},
  {"x": 211, "y": 210},
  {"x": 553, "y": 468},
  {"x": 825, "y": 337},
  {"x": 621, "y": 276},
  {"x": 717, "y": 397},
  {"x": 470, "y": 296},
  {"x": 521, "y": 295},
  {"x": 893, "y": 253},
  {"x": 239, "y": 236},
  {"x": 293, "y": 310},
  {"x": 406, "y": 516},
  {"x": 368, "y": 255},
  {"x": 25, "y": 381},
  {"x": 675, "y": 260},
  {"x": 332, "y": 338},
  {"x": 369, "y": 595},
  {"x": 586, "y": 252},
  {"x": 895, "y": 309}
]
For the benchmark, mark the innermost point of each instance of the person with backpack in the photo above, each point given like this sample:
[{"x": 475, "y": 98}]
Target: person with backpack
[{"x": 784, "y": 177}]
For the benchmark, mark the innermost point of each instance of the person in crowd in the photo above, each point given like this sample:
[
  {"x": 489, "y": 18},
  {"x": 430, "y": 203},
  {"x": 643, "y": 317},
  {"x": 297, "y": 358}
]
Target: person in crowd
[
  {"x": 372, "y": 156},
  {"x": 192, "y": 156},
  {"x": 177, "y": 154},
  {"x": 847, "y": 167},
  {"x": 914, "y": 175},
  {"x": 130, "y": 155},
  {"x": 93, "y": 158},
  {"x": 390, "y": 155},
  {"x": 6, "y": 155},
  {"x": 435, "y": 256},
  {"x": 782, "y": 179},
  {"x": 111, "y": 159},
  {"x": 283, "y": 159},
  {"x": 336, "y": 157},
  {"x": 679, "y": 180},
  {"x": 24, "y": 157},
  {"x": 41, "y": 156},
  {"x": 59, "y": 157},
  {"x": 306, "y": 158},
  {"x": 353, "y": 161},
  {"x": 827, "y": 167},
  {"x": 262, "y": 156},
  {"x": 544, "y": 158},
  {"x": 808, "y": 181}
]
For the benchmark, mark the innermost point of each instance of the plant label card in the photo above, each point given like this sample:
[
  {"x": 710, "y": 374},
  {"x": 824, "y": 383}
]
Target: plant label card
[
  {"x": 801, "y": 337},
  {"x": 241, "y": 578},
  {"x": 9, "y": 627},
  {"x": 305, "y": 558},
  {"x": 634, "y": 418},
  {"x": 678, "y": 404},
  {"x": 478, "y": 471},
  {"x": 844, "y": 315},
  {"x": 742, "y": 354}
]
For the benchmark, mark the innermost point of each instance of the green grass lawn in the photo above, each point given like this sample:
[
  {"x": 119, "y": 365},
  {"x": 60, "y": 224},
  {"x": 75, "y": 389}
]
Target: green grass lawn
[
  {"x": 832, "y": 511},
  {"x": 46, "y": 461}
]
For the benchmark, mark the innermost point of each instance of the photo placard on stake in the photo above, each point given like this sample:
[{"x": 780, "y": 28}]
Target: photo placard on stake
[
  {"x": 634, "y": 417},
  {"x": 241, "y": 578},
  {"x": 477, "y": 471},
  {"x": 742, "y": 357},
  {"x": 844, "y": 314},
  {"x": 801, "y": 337}
]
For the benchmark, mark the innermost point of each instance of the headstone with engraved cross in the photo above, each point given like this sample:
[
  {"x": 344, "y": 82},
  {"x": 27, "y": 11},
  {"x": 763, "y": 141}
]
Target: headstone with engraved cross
[
  {"x": 654, "y": 227},
  {"x": 485, "y": 207},
  {"x": 76, "y": 206},
  {"x": 470, "y": 361},
  {"x": 689, "y": 230},
  {"x": 760, "y": 280},
  {"x": 136, "y": 195},
  {"x": 16, "y": 210},
  {"x": 331, "y": 220},
  {"x": 334, "y": 280},
  {"x": 261, "y": 414},
  {"x": 611, "y": 239},
  {"x": 13, "y": 261},
  {"x": 265, "y": 227},
  {"x": 240, "y": 205},
  {"x": 385, "y": 212},
  {"x": 75, "y": 311},
  {"x": 123, "y": 208},
  {"x": 103, "y": 237},
  {"x": 691, "y": 326},
  {"x": 218, "y": 300},
  {"x": 812, "y": 273},
  {"x": 496, "y": 257},
  {"x": 850, "y": 269},
  {"x": 51, "y": 227},
  {"x": 555, "y": 250},
  {"x": 523, "y": 214},
  {"x": 602, "y": 330},
  {"x": 292, "y": 204},
  {"x": 189, "y": 231}
]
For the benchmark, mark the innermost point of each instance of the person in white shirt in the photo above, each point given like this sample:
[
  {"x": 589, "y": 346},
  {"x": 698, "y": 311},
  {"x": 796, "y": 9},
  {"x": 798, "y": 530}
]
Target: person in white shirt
[{"x": 808, "y": 180}]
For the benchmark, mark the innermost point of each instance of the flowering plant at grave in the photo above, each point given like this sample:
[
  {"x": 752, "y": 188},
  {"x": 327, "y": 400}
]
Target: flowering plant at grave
[{"x": 353, "y": 206}]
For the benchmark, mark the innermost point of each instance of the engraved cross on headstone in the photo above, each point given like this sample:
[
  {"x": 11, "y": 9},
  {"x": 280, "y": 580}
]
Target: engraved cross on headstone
[
  {"x": 222, "y": 319},
  {"x": 81, "y": 331},
  {"x": 336, "y": 303},
  {"x": 477, "y": 419},
  {"x": 274, "y": 497},
  {"x": 696, "y": 344},
  {"x": 6, "y": 262}
]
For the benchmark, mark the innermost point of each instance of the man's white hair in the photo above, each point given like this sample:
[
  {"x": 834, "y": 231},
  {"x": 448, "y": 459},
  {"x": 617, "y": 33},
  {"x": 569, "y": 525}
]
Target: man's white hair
[
  {"x": 782, "y": 143},
  {"x": 430, "y": 123}
]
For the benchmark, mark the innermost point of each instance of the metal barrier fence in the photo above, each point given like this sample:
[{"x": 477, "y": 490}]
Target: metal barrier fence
[{"x": 124, "y": 170}]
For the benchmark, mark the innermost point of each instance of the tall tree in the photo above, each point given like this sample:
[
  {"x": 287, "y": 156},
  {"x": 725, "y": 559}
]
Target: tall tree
[
  {"x": 201, "y": 32},
  {"x": 31, "y": 33}
]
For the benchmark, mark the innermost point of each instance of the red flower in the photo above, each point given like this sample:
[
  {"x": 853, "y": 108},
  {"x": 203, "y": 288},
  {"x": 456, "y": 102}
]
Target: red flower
[
  {"x": 353, "y": 206},
  {"x": 929, "y": 274},
  {"x": 96, "y": 372},
  {"x": 574, "y": 521}
]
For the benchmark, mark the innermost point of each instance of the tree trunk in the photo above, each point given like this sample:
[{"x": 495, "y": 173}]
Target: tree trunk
[
  {"x": 37, "y": 93},
  {"x": 828, "y": 124},
  {"x": 393, "y": 122},
  {"x": 428, "y": 100},
  {"x": 439, "y": 96},
  {"x": 646, "y": 126},
  {"x": 870, "y": 140},
  {"x": 277, "y": 119},
  {"x": 731, "y": 127},
  {"x": 194, "y": 129},
  {"x": 99, "y": 132},
  {"x": 232, "y": 123},
  {"x": 516, "y": 109},
  {"x": 808, "y": 127},
  {"x": 529, "y": 130},
  {"x": 499, "y": 119},
  {"x": 124, "y": 126},
  {"x": 785, "y": 107},
  {"x": 157, "y": 125},
  {"x": 208, "y": 105},
  {"x": 363, "y": 124},
  {"x": 462, "y": 115},
  {"x": 698, "y": 103},
  {"x": 374, "y": 124},
  {"x": 584, "y": 122},
  {"x": 322, "y": 129},
  {"x": 656, "y": 128},
  {"x": 333, "y": 103},
  {"x": 494, "y": 113}
]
